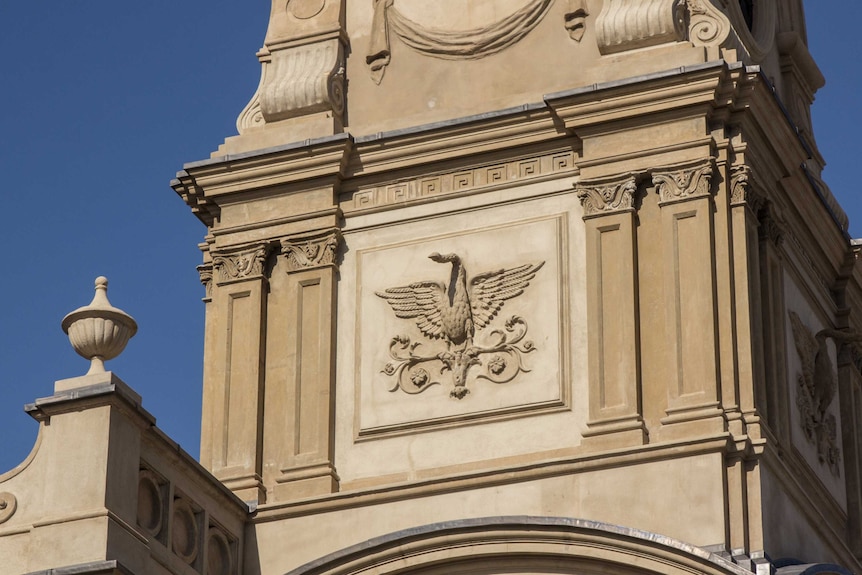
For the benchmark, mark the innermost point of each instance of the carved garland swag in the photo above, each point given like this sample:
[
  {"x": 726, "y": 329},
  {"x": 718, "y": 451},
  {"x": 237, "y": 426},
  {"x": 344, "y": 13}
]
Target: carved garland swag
[{"x": 450, "y": 45}]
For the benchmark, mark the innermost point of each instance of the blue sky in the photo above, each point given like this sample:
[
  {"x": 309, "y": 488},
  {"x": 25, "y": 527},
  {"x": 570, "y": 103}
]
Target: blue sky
[{"x": 101, "y": 103}]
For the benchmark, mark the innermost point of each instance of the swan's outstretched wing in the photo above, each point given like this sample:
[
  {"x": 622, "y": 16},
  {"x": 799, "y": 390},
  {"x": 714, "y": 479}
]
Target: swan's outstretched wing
[
  {"x": 489, "y": 290},
  {"x": 806, "y": 346},
  {"x": 421, "y": 301}
]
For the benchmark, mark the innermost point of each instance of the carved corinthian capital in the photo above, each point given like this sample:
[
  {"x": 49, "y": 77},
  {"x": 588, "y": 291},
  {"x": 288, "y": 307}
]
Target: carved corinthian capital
[
  {"x": 308, "y": 252},
  {"x": 631, "y": 24},
  {"x": 682, "y": 183},
  {"x": 242, "y": 263},
  {"x": 602, "y": 197},
  {"x": 206, "y": 274},
  {"x": 742, "y": 191}
]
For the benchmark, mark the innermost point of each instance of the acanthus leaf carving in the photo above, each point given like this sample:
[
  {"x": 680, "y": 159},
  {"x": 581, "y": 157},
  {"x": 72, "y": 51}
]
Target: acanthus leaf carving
[
  {"x": 205, "y": 271},
  {"x": 742, "y": 192},
  {"x": 447, "y": 44},
  {"x": 245, "y": 262},
  {"x": 309, "y": 252},
  {"x": 675, "y": 184},
  {"x": 601, "y": 197},
  {"x": 457, "y": 318}
]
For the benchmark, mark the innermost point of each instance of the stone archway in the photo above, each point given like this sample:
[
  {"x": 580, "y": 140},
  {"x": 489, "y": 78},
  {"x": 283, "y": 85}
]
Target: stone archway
[{"x": 520, "y": 545}]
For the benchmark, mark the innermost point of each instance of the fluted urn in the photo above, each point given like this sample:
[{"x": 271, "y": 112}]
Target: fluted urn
[{"x": 99, "y": 332}]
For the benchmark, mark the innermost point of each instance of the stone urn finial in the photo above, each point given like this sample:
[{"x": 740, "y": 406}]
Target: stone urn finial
[{"x": 99, "y": 331}]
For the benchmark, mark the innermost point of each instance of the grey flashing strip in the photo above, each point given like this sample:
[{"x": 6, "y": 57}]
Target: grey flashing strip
[
  {"x": 95, "y": 568},
  {"x": 396, "y": 539},
  {"x": 638, "y": 79},
  {"x": 273, "y": 150},
  {"x": 451, "y": 123},
  {"x": 114, "y": 387}
]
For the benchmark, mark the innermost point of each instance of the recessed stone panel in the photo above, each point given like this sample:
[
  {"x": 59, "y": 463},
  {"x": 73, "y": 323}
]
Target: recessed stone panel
[{"x": 461, "y": 324}]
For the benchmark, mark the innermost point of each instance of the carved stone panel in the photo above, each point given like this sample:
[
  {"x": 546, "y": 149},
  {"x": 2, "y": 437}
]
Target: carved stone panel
[
  {"x": 812, "y": 389},
  {"x": 464, "y": 324}
]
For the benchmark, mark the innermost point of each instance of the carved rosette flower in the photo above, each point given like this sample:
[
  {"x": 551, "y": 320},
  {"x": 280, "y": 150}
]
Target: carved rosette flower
[
  {"x": 678, "y": 184},
  {"x": 600, "y": 198},
  {"x": 308, "y": 252},
  {"x": 237, "y": 264}
]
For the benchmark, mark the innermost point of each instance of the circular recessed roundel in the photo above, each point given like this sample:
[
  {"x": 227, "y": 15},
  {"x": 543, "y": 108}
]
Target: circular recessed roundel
[{"x": 304, "y": 9}]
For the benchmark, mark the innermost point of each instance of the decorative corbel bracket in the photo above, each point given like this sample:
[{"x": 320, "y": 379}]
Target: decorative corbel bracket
[
  {"x": 631, "y": 24},
  {"x": 302, "y": 64}
]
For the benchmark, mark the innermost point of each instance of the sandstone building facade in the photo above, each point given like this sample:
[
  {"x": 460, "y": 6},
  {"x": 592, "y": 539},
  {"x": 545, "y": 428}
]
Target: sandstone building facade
[{"x": 493, "y": 286}]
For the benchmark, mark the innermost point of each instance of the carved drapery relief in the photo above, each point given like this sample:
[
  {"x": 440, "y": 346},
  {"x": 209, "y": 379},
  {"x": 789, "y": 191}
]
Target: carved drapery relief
[
  {"x": 576, "y": 19},
  {"x": 816, "y": 388},
  {"x": 457, "y": 313},
  {"x": 603, "y": 197},
  {"x": 447, "y": 44},
  {"x": 308, "y": 252},
  {"x": 682, "y": 183},
  {"x": 631, "y": 24},
  {"x": 242, "y": 263}
]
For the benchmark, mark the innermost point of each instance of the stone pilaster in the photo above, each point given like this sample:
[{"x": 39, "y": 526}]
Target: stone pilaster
[
  {"x": 612, "y": 301},
  {"x": 685, "y": 200},
  {"x": 233, "y": 377},
  {"x": 299, "y": 442}
]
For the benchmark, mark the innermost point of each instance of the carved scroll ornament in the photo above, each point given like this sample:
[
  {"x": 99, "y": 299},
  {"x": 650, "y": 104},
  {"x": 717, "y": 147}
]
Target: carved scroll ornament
[
  {"x": 450, "y": 45},
  {"x": 576, "y": 19},
  {"x": 631, "y": 24},
  {"x": 241, "y": 263},
  {"x": 742, "y": 191},
  {"x": 8, "y": 506},
  {"x": 311, "y": 252},
  {"x": 455, "y": 312},
  {"x": 607, "y": 196},
  {"x": 205, "y": 271},
  {"x": 682, "y": 183}
]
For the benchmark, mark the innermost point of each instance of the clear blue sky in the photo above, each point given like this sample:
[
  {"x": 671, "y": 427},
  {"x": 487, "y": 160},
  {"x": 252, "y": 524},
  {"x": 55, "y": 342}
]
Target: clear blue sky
[{"x": 102, "y": 102}]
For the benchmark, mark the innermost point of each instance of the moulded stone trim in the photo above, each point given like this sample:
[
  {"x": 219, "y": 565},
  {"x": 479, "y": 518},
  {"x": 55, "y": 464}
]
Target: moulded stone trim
[
  {"x": 309, "y": 252},
  {"x": 242, "y": 263}
]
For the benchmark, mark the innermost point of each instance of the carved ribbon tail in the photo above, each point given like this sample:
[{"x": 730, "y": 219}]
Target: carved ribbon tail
[
  {"x": 576, "y": 17},
  {"x": 379, "y": 53}
]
